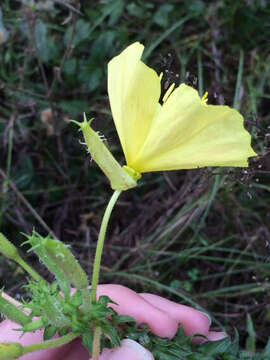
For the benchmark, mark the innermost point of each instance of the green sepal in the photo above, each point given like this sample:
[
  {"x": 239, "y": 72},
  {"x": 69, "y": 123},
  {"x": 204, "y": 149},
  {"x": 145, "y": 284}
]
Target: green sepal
[{"x": 118, "y": 177}]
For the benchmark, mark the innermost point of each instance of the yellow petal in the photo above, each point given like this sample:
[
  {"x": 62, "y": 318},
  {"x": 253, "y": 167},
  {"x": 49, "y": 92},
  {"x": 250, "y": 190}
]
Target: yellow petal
[
  {"x": 134, "y": 91},
  {"x": 187, "y": 133}
]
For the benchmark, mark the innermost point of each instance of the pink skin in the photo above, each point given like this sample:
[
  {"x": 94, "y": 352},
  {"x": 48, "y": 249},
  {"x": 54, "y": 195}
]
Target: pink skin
[{"x": 161, "y": 315}]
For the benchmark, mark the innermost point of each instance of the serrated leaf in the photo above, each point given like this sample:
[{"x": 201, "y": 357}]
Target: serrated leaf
[
  {"x": 76, "y": 298},
  {"x": 216, "y": 347},
  {"x": 87, "y": 341},
  {"x": 124, "y": 319},
  {"x": 113, "y": 335},
  {"x": 63, "y": 331},
  {"x": 49, "y": 332},
  {"x": 105, "y": 300}
]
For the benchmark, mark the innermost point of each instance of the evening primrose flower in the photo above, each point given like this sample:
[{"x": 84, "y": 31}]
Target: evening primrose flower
[{"x": 183, "y": 132}]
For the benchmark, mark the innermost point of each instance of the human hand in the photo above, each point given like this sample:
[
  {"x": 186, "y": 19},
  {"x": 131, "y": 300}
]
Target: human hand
[{"x": 161, "y": 315}]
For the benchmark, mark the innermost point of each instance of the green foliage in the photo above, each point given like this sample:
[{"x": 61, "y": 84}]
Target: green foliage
[{"x": 181, "y": 347}]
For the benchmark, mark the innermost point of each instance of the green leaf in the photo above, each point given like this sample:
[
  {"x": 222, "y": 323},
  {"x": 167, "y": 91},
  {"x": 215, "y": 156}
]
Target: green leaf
[
  {"x": 76, "y": 298},
  {"x": 87, "y": 341},
  {"x": 251, "y": 340},
  {"x": 216, "y": 347},
  {"x": 115, "y": 9},
  {"x": 74, "y": 107},
  {"x": 196, "y": 7},
  {"x": 161, "y": 16},
  {"x": 70, "y": 66},
  {"x": 82, "y": 32},
  {"x": 41, "y": 40},
  {"x": 63, "y": 331},
  {"x": 92, "y": 78},
  {"x": 124, "y": 319},
  {"x": 102, "y": 47},
  {"x": 49, "y": 332},
  {"x": 235, "y": 343},
  {"x": 266, "y": 351}
]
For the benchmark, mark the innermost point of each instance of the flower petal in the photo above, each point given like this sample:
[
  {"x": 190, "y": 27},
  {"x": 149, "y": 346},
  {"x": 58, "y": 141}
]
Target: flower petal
[
  {"x": 186, "y": 133},
  {"x": 134, "y": 91}
]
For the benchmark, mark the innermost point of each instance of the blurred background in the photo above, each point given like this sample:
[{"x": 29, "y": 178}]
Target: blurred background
[{"x": 197, "y": 237}]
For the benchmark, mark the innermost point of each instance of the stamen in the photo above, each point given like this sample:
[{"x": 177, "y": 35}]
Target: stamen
[
  {"x": 204, "y": 99},
  {"x": 168, "y": 93}
]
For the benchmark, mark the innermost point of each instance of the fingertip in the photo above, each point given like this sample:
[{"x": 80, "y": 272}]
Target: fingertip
[{"x": 191, "y": 320}]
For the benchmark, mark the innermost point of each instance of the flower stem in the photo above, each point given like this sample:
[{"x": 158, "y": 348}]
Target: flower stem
[
  {"x": 50, "y": 343},
  {"x": 100, "y": 243}
]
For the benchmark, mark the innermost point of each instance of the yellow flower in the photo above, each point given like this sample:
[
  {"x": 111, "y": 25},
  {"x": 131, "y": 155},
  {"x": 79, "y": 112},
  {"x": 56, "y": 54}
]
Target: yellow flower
[{"x": 181, "y": 133}]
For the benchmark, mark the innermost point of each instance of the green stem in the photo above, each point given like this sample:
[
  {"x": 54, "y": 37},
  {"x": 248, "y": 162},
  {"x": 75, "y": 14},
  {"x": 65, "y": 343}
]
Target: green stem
[
  {"x": 100, "y": 243},
  {"x": 30, "y": 270},
  {"x": 96, "y": 343},
  {"x": 12, "y": 312},
  {"x": 50, "y": 343}
]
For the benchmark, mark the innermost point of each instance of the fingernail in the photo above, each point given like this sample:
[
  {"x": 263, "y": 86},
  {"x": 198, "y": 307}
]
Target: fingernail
[
  {"x": 208, "y": 316},
  {"x": 139, "y": 349}
]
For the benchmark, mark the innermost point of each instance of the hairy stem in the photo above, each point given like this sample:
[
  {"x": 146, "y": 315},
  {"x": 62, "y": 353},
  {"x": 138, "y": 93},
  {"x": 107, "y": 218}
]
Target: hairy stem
[
  {"x": 100, "y": 243},
  {"x": 96, "y": 343},
  {"x": 50, "y": 343}
]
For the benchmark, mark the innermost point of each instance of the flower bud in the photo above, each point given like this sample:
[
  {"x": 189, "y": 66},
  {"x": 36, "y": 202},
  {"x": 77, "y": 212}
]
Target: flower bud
[
  {"x": 10, "y": 350},
  {"x": 7, "y": 248},
  {"x": 64, "y": 259}
]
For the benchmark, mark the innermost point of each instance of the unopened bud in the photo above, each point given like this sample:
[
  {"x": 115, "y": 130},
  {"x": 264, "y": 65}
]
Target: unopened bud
[
  {"x": 7, "y": 248},
  {"x": 10, "y": 350},
  {"x": 63, "y": 258}
]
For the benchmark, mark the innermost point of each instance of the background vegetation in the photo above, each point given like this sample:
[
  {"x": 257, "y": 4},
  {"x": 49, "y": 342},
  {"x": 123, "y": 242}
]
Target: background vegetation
[{"x": 197, "y": 237}]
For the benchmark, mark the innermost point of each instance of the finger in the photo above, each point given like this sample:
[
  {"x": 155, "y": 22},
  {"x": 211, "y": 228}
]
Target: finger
[
  {"x": 7, "y": 333},
  {"x": 129, "y": 349},
  {"x": 191, "y": 320},
  {"x": 130, "y": 303}
]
